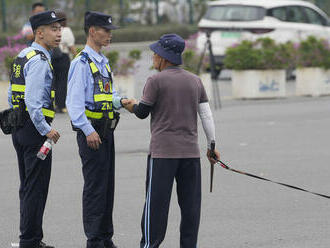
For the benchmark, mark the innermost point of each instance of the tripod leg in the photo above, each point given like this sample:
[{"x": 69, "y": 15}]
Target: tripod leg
[{"x": 201, "y": 58}]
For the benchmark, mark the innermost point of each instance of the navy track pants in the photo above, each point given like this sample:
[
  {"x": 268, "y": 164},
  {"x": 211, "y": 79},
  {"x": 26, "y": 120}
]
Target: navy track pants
[{"x": 161, "y": 173}]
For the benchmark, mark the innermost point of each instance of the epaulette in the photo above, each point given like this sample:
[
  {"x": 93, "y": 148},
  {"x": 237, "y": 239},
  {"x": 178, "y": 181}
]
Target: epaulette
[
  {"x": 83, "y": 57},
  {"x": 43, "y": 56}
]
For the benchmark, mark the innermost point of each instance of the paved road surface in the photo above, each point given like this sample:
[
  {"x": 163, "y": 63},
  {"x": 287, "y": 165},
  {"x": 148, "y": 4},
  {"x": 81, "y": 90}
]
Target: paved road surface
[{"x": 285, "y": 140}]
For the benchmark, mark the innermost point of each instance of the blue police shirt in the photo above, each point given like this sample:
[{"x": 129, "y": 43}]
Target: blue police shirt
[
  {"x": 38, "y": 81},
  {"x": 81, "y": 89}
]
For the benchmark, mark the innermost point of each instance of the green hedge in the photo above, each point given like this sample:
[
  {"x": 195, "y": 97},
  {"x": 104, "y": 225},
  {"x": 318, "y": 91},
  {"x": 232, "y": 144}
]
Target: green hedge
[
  {"x": 142, "y": 33},
  {"x": 131, "y": 33}
]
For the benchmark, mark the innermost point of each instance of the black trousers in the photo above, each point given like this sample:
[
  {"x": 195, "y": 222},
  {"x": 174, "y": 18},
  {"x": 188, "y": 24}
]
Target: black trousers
[
  {"x": 61, "y": 67},
  {"x": 160, "y": 176},
  {"x": 98, "y": 193},
  {"x": 34, "y": 182}
]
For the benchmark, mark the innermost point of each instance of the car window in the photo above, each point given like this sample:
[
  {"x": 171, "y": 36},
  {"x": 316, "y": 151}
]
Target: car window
[
  {"x": 279, "y": 13},
  {"x": 234, "y": 13},
  {"x": 295, "y": 14},
  {"x": 314, "y": 17}
]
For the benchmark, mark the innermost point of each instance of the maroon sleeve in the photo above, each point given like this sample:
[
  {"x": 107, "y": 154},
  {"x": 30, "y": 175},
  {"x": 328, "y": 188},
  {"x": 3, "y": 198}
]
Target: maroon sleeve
[
  {"x": 150, "y": 92},
  {"x": 203, "y": 96}
]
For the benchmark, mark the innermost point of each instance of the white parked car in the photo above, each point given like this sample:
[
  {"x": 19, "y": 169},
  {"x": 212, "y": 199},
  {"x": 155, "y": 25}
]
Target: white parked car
[{"x": 231, "y": 21}]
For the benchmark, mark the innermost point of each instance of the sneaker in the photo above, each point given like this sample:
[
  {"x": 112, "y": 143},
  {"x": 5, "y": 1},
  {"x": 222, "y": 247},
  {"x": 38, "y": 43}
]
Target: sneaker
[{"x": 43, "y": 245}]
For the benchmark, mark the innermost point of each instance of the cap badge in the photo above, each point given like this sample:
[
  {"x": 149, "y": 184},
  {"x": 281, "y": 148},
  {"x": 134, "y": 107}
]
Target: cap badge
[
  {"x": 110, "y": 21},
  {"x": 53, "y": 15}
]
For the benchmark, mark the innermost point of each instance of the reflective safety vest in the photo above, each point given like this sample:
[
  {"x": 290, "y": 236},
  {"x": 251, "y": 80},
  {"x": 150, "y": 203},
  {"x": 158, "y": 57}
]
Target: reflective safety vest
[
  {"x": 17, "y": 81},
  {"x": 102, "y": 94}
]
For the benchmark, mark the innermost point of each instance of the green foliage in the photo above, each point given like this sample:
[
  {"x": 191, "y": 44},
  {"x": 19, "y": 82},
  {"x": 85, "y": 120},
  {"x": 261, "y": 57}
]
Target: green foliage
[
  {"x": 313, "y": 52},
  {"x": 123, "y": 66},
  {"x": 136, "y": 33},
  {"x": 266, "y": 54},
  {"x": 261, "y": 54},
  {"x": 113, "y": 57},
  {"x": 8, "y": 61},
  {"x": 241, "y": 57},
  {"x": 135, "y": 54},
  {"x": 190, "y": 60}
]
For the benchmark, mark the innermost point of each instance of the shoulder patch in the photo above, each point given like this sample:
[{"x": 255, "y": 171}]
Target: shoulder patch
[
  {"x": 83, "y": 57},
  {"x": 43, "y": 56}
]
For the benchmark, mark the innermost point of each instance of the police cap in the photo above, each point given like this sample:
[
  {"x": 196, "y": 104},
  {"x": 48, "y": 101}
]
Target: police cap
[
  {"x": 44, "y": 18},
  {"x": 93, "y": 18}
]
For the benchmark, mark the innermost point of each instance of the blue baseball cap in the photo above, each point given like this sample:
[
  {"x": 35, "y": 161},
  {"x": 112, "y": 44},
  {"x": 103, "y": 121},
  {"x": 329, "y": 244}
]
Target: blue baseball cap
[
  {"x": 170, "y": 47},
  {"x": 44, "y": 18}
]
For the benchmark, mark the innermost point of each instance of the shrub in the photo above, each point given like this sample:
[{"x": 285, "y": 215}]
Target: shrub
[
  {"x": 123, "y": 66},
  {"x": 191, "y": 58},
  {"x": 313, "y": 52},
  {"x": 261, "y": 54},
  {"x": 9, "y": 60},
  {"x": 113, "y": 57},
  {"x": 135, "y": 33},
  {"x": 135, "y": 54},
  {"x": 9, "y": 51}
]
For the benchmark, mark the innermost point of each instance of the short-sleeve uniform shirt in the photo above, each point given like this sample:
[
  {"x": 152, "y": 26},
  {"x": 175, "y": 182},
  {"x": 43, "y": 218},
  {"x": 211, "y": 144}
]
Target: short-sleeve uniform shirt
[{"x": 174, "y": 95}]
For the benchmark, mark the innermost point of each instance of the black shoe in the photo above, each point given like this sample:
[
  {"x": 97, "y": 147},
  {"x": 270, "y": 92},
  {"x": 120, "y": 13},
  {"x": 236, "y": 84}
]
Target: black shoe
[
  {"x": 43, "y": 245},
  {"x": 109, "y": 245}
]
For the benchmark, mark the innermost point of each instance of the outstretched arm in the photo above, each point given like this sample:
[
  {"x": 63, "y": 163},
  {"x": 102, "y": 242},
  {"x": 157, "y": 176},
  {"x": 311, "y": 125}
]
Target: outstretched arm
[
  {"x": 206, "y": 116},
  {"x": 141, "y": 110}
]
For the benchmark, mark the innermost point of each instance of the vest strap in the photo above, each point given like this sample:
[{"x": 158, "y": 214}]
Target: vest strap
[{"x": 93, "y": 67}]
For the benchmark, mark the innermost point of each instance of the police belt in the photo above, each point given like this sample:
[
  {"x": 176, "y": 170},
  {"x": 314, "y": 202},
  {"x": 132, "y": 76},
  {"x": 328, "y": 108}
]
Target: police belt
[
  {"x": 103, "y": 122},
  {"x": 12, "y": 120}
]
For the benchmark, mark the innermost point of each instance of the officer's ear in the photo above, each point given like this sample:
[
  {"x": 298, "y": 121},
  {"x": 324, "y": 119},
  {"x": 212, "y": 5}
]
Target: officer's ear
[
  {"x": 39, "y": 32},
  {"x": 92, "y": 30}
]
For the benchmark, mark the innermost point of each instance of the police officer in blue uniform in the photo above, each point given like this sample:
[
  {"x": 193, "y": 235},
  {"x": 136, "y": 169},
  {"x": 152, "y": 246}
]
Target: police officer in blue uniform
[
  {"x": 31, "y": 97},
  {"x": 91, "y": 101}
]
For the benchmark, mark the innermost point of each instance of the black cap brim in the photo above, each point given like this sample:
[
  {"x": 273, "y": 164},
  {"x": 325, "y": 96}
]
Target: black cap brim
[
  {"x": 55, "y": 20},
  {"x": 49, "y": 22},
  {"x": 110, "y": 27}
]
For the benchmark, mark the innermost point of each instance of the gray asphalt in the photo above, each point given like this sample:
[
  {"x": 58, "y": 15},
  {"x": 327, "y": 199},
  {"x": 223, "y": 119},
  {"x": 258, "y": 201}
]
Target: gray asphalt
[{"x": 285, "y": 140}]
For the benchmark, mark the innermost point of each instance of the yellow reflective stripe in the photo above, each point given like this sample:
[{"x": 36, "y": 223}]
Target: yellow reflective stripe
[
  {"x": 48, "y": 112},
  {"x": 18, "y": 87},
  {"x": 50, "y": 64},
  {"x": 108, "y": 68},
  {"x": 17, "y": 106},
  {"x": 93, "y": 115},
  {"x": 103, "y": 97},
  {"x": 93, "y": 67},
  {"x": 31, "y": 54},
  {"x": 52, "y": 93},
  {"x": 97, "y": 115},
  {"x": 78, "y": 54}
]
